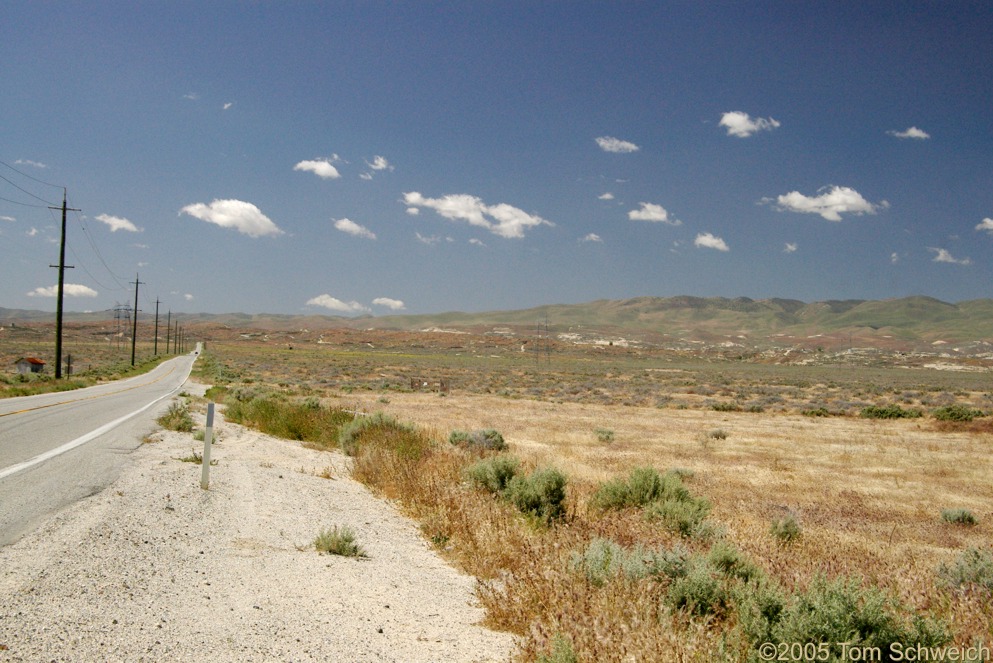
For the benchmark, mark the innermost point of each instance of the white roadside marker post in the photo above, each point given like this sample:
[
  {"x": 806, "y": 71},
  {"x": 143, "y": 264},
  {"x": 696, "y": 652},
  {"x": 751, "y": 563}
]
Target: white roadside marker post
[{"x": 207, "y": 436}]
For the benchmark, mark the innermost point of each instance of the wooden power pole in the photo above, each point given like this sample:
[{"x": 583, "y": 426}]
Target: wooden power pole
[{"x": 58, "y": 307}]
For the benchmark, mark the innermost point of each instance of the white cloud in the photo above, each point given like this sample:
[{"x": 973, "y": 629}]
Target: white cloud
[
  {"x": 742, "y": 125},
  {"x": 228, "y": 105},
  {"x": 192, "y": 96},
  {"x": 606, "y": 196},
  {"x": 502, "y": 219},
  {"x": 188, "y": 297},
  {"x": 352, "y": 228},
  {"x": 335, "y": 304},
  {"x": 831, "y": 203},
  {"x": 32, "y": 232},
  {"x": 395, "y": 304},
  {"x": 942, "y": 255},
  {"x": 7, "y": 218},
  {"x": 592, "y": 237},
  {"x": 790, "y": 247},
  {"x": 477, "y": 242},
  {"x": 29, "y": 162},
  {"x": 68, "y": 289},
  {"x": 117, "y": 223},
  {"x": 413, "y": 211},
  {"x": 244, "y": 217},
  {"x": 323, "y": 168},
  {"x": 912, "y": 132},
  {"x": 616, "y": 145},
  {"x": 709, "y": 241},
  {"x": 654, "y": 213},
  {"x": 894, "y": 258},
  {"x": 987, "y": 225},
  {"x": 379, "y": 163},
  {"x": 432, "y": 239}
]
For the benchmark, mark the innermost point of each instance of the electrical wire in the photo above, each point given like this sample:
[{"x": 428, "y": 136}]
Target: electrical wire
[
  {"x": 16, "y": 202},
  {"x": 93, "y": 245},
  {"x": 23, "y": 190},
  {"x": 55, "y": 186}
]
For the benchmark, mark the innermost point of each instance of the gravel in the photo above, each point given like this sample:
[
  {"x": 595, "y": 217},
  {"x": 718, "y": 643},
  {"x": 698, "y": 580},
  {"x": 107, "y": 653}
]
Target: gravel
[{"x": 155, "y": 569}]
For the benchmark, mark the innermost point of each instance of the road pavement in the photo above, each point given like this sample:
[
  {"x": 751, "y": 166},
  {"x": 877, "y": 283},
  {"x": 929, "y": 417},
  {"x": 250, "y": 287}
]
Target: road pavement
[{"x": 58, "y": 448}]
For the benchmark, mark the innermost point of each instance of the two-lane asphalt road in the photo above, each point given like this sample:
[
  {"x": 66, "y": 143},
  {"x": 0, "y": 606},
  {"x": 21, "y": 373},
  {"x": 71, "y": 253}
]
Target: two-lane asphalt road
[{"x": 58, "y": 448}]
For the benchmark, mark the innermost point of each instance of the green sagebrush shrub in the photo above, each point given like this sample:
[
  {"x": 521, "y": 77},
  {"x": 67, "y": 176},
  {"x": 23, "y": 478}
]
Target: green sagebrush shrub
[
  {"x": 831, "y": 611},
  {"x": 972, "y": 569},
  {"x": 493, "y": 474},
  {"x": 486, "y": 439},
  {"x": 540, "y": 494},
  {"x": 385, "y": 432}
]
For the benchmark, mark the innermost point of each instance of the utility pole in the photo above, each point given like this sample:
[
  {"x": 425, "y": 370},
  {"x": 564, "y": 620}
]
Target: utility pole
[
  {"x": 134, "y": 328},
  {"x": 62, "y": 268},
  {"x": 168, "y": 329},
  {"x": 156, "y": 350}
]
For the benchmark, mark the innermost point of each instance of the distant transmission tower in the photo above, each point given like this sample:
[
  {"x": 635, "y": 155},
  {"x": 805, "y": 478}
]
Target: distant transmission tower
[
  {"x": 122, "y": 321},
  {"x": 542, "y": 343}
]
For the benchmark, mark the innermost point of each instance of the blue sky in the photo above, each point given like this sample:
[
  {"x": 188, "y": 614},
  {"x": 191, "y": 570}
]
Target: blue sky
[{"x": 419, "y": 157}]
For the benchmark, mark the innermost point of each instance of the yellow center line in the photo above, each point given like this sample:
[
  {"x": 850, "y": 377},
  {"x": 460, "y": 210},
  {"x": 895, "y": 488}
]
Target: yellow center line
[{"x": 88, "y": 398}]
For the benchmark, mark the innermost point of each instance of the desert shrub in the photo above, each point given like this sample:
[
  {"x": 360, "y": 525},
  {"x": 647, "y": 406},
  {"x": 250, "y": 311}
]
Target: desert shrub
[
  {"x": 832, "y": 611},
  {"x": 643, "y": 486},
  {"x": 717, "y": 434},
  {"x": 177, "y": 418},
  {"x": 956, "y": 413},
  {"x": 973, "y": 568},
  {"x": 338, "y": 541},
  {"x": 541, "y": 494},
  {"x": 493, "y": 474},
  {"x": 786, "y": 530},
  {"x": 889, "y": 412},
  {"x": 604, "y": 559},
  {"x": 662, "y": 496},
  {"x": 816, "y": 412},
  {"x": 727, "y": 559},
  {"x": 307, "y": 420},
  {"x": 486, "y": 439},
  {"x": 386, "y": 432},
  {"x": 726, "y": 407},
  {"x": 700, "y": 592},
  {"x": 604, "y": 435},
  {"x": 683, "y": 516},
  {"x": 669, "y": 564},
  {"x": 958, "y": 517}
]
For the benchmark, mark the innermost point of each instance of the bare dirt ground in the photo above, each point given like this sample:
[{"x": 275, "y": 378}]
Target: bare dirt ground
[{"x": 156, "y": 569}]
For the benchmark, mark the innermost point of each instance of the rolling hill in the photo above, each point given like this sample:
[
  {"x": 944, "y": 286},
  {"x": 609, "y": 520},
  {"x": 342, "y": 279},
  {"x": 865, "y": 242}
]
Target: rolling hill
[{"x": 918, "y": 319}]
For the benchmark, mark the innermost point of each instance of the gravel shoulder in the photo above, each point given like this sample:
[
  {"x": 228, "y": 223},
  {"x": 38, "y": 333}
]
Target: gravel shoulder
[{"x": 155, "y": 569}]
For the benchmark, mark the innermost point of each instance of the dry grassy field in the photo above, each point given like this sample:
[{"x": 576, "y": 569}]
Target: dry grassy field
[
  {"x": 873, "y": 500},
  {"x": 801, "y": 489}
]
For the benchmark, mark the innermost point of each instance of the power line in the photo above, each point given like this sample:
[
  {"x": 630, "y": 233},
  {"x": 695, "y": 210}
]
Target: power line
[
  {"x": 96, "y": 250},
  {"x": 55, "y": 186},
  {"x": 17, "y": 202},
  {"x": 23, "y": 190}
]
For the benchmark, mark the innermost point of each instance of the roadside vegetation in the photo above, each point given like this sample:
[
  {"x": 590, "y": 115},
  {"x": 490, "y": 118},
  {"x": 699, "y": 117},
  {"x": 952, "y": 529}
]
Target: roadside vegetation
[
  {"x": 13, "y": 384},
  {"x": 669, "y": 532}
]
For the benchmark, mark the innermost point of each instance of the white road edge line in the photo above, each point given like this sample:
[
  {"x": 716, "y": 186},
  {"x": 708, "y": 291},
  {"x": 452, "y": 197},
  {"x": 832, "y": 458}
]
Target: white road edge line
[{"x": 68, "y": 446}]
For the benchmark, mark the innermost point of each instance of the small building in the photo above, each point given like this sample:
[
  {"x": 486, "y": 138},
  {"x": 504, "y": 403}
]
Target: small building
[{"x": 29, "y": 365}]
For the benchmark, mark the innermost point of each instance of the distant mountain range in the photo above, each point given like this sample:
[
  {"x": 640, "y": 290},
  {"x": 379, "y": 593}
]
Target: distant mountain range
[{"x": 917, "y": 319}]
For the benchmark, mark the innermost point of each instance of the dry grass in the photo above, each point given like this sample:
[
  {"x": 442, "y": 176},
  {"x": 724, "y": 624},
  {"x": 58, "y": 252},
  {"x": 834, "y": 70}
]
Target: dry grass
[{"x": 868, "y": 495}]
